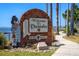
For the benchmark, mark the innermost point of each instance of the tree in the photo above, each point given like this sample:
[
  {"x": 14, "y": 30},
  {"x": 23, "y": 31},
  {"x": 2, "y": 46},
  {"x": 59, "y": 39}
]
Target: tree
[
  {"x": 67, "y": 18},
  {"x": 65, "y": 14},
  {"x": 75, "y": 15},
  {"x": 68, "y": 22},
  {"x": 72, "y": 19},
  {"x": 57, "y": 14},
  {"x": 51, "y": 11},
  {"x": 47, "y": 8}
]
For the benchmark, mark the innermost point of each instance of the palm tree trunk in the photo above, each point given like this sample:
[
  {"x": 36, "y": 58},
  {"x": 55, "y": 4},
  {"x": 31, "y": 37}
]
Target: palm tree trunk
[
  {"x": 57, "y": 16},
  {"x": 51, "y": 12},
  {"x": 72, "y": 19},
  {"x": 65, "y": 26},
  {"x": 68, "y": 21},
  {"x": 47, "y": 8},
  {"x": 60, "y": 16}
]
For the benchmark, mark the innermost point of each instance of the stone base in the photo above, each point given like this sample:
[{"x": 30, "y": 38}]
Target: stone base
[{"x": 42, "y": 46}]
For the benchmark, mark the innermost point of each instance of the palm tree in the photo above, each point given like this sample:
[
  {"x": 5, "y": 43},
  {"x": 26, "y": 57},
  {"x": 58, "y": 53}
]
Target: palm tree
[
  {"x": 47, "y": 8},
  {"x": 57, "y": 14},
  {"x": 68, "y": 22},
  {"x": 68, "y": 18},
  {"x": 72, "y": 20},
  {"x": 60, "y": 16},
  {"x": 76, "y": 13},
  {"x": 51, "y": 11},
  {"x": 66, "y": 15}
]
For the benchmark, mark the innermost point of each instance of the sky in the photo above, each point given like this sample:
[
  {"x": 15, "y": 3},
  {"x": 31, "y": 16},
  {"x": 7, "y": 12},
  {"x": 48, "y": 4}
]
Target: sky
[{"x": 7, "y": 10}]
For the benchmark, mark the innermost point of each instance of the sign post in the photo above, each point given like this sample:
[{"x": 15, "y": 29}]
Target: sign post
[{"x": 37, "y": 23}]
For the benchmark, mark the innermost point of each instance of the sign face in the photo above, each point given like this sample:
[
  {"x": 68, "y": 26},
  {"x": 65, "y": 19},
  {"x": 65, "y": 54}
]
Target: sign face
[
  {"x": 38, "y": 25},
  {"x": 25, "y": 28}
]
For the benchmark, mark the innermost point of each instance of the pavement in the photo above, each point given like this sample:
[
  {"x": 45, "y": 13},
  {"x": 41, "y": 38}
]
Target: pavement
[{"x": 68, "y": 48}]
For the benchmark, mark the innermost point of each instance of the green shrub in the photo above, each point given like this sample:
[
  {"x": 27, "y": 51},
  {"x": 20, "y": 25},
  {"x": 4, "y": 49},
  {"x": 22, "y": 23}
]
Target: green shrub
[
  {"x": 7, "y": 43},
  {"x": 2, "y": 38},
  {"x": 75, "y": 30},
  {"x": 3, "y": 41}
]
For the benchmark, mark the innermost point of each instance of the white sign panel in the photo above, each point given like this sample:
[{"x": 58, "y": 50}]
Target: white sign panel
[
  {"x": 38, "y": 25},
  {"x": 25, "y": 28}
]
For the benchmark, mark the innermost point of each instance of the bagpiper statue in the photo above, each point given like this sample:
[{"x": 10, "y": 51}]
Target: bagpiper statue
[{"x": 15, "y": 31}]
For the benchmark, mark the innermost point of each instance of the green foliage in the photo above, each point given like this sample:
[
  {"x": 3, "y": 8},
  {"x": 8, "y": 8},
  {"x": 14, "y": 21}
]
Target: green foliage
[
  {"x": 1, "y": 36},
  {"x": 76, "y": 17},
  {"x": 7, "y": 43},
  {"x": 3, "y": 41},
  {"x": 65, "y": 14},
  {"x": 75, "y": 30},
  {"x": 76, "y": 13}
]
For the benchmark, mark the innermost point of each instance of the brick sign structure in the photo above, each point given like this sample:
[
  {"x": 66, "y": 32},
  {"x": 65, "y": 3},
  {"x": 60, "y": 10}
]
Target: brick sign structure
[{"x": 36, "y": 26}]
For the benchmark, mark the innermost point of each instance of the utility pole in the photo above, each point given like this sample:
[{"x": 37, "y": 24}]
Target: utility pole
[{"x": 57, "y": 17}]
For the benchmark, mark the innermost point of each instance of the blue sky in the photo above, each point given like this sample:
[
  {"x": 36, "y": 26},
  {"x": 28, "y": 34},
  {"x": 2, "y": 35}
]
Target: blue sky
[{"x": 7, "y": 10}]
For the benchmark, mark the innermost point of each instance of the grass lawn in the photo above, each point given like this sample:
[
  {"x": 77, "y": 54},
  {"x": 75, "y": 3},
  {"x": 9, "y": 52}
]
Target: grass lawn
[
  {"x": 74, "y": 38},
  {"x": 48, "y": 53}
]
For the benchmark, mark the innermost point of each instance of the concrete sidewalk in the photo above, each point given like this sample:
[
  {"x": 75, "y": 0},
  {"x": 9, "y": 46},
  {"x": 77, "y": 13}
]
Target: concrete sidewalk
[{"x": 68, "y": 48}]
